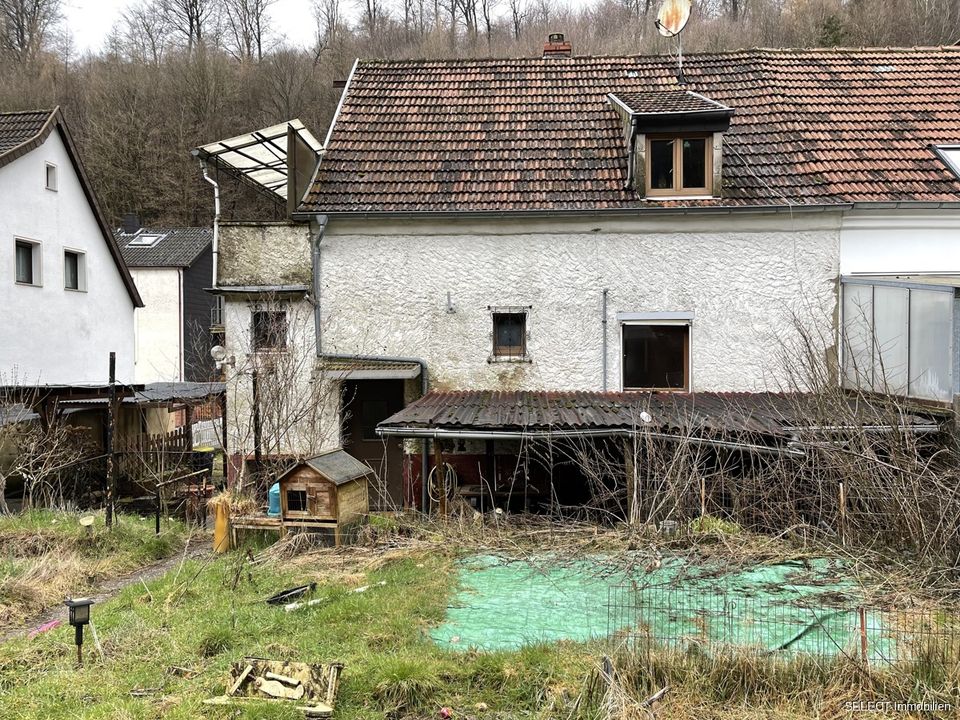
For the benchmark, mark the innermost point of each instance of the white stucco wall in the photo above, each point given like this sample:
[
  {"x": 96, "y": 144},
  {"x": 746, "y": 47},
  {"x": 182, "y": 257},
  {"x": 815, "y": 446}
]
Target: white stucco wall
[
  {"x": 744, "y": 278},
  {"x": 50, "y": 334},
  {"x": 158, "y": 325},
  {"x": 900, "y": 242}
]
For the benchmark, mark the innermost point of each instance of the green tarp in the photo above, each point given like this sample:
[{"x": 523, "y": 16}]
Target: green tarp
[{"x": 808, "y": 606}]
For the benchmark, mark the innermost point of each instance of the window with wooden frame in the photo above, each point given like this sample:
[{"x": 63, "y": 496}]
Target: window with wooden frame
[
  {"x": 679, "y": 165},
  {"x": 509, "y": 335},
  {"x": 296, "y": 501},
  {"x": 655, "y": 356},
  {"x": 269, "y": 330}
]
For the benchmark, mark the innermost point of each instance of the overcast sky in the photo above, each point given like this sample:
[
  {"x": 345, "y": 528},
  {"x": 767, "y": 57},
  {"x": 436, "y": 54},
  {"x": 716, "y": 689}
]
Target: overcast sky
[{"x": 91, "y": 20}]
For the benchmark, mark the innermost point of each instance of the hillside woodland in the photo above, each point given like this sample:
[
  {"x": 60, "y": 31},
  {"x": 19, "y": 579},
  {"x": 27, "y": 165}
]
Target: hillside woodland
[{"x": 177, "y": 73}]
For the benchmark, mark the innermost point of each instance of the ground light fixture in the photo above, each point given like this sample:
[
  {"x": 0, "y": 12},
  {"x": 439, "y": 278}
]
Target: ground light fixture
[{"x": 79, "y": 616}]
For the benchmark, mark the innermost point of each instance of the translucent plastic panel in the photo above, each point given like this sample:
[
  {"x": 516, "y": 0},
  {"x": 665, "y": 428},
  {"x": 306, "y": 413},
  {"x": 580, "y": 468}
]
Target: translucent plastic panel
[
  {"x": 931, "y": 342},
  {"x": 857, "y": 336},
  {"x": 891, "y": 310}
]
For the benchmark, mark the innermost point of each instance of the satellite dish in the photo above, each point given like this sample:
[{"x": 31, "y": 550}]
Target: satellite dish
[{"x": 672, "y": 17}]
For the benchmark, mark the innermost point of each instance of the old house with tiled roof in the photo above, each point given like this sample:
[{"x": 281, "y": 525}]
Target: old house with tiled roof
[
  {"x": 68, "y": 299},
  {"x": 493, "y": 232},
  {"x": 173, "y": 269}
]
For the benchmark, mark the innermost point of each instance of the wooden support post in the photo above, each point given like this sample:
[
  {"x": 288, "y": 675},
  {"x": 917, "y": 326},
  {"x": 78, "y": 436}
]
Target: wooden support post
[
  {"x": 257, "y": 431},
  {"x": 157, "y": 530},
  {"x": 491, "y": 459},
  {"x": 223, "y": 434},
  {"x": 111, "y": 459},
  {"x": 631, "y": 478},
  {"x": 863, "y": 634},
  {"x": 440, "y": 476},
  {"x": 703, "y": 496}
]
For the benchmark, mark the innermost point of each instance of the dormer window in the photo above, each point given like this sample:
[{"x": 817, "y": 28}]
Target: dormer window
[
  {"x": 679, "y": 165},
  {"x": 674, "y": 141}
]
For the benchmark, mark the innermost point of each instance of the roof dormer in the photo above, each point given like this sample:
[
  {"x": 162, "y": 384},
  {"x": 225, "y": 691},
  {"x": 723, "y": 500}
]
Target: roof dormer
[{"x": 675, "y": 142}]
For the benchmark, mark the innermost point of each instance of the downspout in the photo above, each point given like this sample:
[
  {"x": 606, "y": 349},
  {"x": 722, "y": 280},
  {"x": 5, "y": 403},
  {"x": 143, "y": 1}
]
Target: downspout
[
  {"x": 321, "y": 221},
  {"x": 632, "y": 154},
  {"x": 604, "y": 321},
  {"x": 216, "y": 219}
]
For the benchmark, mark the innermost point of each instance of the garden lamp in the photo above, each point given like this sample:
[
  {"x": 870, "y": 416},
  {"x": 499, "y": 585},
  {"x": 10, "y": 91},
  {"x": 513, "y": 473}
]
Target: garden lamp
[{"x": 79, "y": 616}]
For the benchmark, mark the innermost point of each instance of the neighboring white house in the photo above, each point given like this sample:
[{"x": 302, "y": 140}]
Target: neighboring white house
[
  {"x": 515, "y": 228},
  {"x": 67, "y": 297},
  {"x": 172, "y": 268}
]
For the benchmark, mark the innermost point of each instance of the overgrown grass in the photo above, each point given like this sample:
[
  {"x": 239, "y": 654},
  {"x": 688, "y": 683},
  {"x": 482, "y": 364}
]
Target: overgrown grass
[{"x": 46, "y": 555}]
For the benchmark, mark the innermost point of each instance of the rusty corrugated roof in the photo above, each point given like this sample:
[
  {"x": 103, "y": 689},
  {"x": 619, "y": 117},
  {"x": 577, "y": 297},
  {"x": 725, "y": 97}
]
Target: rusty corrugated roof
[{"x": 812, "y": 127}]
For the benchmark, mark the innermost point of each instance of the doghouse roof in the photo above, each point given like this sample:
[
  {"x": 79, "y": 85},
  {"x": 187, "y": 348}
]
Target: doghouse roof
[{"x": 337, "y": 466}]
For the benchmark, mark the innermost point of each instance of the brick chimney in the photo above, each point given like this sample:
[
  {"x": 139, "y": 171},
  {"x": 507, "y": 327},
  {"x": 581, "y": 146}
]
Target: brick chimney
[{"x": 557, "y": 47}]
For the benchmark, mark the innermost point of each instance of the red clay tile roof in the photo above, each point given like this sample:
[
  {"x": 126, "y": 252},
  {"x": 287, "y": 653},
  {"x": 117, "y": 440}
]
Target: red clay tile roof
[
  {"x": 811, "y": 127},
  {"x": 668, "y": 101}
]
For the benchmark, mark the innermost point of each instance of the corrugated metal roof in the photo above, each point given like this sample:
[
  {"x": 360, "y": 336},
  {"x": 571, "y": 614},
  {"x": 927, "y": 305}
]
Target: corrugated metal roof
[
  {"x": 706, "y": 413},
  {"x": 174, "y": 247}
]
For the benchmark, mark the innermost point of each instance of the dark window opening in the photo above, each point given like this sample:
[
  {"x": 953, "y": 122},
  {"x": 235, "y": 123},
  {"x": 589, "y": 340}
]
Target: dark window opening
[
  {"x": 25, "y": 263},
  {"x": 372, "y": 413},
  {"x": 269, "y": 330},
  {"x": 661, "y": 164},
  {"x": 509, "y": 334},
  {"x": 656, "y": 356},
  {"x": 694, "y": 163},
  {"x": 71, "y": 270},
  {"x": 296, "y": 500}
]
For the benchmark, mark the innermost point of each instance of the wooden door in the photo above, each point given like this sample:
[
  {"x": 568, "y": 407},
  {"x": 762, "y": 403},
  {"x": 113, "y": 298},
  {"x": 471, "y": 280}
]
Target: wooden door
[{"x": 368, "y": 402}]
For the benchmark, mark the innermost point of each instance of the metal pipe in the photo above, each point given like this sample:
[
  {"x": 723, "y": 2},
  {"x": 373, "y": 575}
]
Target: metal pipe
[
  {"x": 604, "y": 321},
  {"x": 216, "y": 219},
  {"x": 321, "y": 221},
  {"x": 437, "y": 434}
]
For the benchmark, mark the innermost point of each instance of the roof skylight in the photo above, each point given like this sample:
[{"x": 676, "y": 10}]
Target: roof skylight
[
  {"x": 145, "y": 240},
  {"x": 950, "y": 154}
]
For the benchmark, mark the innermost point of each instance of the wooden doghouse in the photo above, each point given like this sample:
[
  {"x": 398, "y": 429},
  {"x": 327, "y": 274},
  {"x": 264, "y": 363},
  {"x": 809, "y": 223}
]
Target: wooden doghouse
[{"x": 329, "y": 490}]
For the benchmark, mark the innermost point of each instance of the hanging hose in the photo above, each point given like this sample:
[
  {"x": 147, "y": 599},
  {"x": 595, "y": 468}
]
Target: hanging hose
[{"x": 449, "y": 482}]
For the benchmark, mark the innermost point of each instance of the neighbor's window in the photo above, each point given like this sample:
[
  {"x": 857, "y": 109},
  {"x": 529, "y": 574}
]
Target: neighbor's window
[
  {"x": 656, "y": 357},
  {"x": 269, "y": 330},
  {"x": 679, "y": 166},
  {"x": 509, "y": 334},
  {"x": 74, "y": 270},
  {"x": 27, "y": 262},
  {"x": 296, "y": 500},
  {"x": 51, "y": 176}
]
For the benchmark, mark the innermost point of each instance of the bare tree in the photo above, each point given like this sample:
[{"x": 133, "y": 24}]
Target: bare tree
[
  {"x": 25, "y": 26},
  {"x": 190, "y": 18},
  {"x": 329, "y": 25},
  {"x": 146, "y": 31},
  {"x": 247, "y": 25},
  {"x": 518, "y": 14}
]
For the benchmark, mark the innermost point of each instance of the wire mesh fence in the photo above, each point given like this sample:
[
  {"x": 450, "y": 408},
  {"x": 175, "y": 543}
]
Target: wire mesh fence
[{"x": 823, "y": 627}]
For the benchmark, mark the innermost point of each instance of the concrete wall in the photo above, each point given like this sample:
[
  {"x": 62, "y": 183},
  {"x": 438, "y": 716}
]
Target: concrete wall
[
  {"x": 900, "y": 242},
  {"x": 744, "y": 279},
  {"x": 158, "y": 325},
  {"x": 50, "y": 334}
]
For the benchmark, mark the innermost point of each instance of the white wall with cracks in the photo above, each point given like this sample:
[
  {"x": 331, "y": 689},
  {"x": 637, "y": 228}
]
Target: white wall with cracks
[{"x": 385, "y": 291}]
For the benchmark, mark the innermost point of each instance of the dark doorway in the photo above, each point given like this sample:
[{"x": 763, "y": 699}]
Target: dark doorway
[{"x": 367, "y": 403}]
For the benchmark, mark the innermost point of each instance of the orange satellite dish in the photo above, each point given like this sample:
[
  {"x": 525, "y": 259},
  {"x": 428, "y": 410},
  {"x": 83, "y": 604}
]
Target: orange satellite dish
[{"x": 673, "y": 17}]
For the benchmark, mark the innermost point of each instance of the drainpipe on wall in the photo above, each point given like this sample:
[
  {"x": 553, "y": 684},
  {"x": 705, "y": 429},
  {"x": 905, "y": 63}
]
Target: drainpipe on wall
[
  {"x": 216, "y": 219},
  {"x": 604, "y": 321},
  {"x": 321, "y": 221}
]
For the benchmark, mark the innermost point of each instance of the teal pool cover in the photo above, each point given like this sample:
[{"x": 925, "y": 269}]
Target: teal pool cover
[{"x": 798, "y": 606}]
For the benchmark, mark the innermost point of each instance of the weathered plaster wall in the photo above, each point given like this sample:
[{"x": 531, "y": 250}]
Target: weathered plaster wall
[
  {"x": 157, "y": 325},
  {"x": 50, "y": 334},
  {"x": 251, "y": 252},
  {"x": 384, "y": 291}
]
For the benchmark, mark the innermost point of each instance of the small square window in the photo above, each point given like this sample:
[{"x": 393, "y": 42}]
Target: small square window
[
  {"x": 51, "y": 176},
  {"x": 27, "y": 262},
  {"x": 679, "y": 166},
  {"x": 509, "y": 334},
  {"x": 74, "y": 270},
  {"x": 297, "y": 501},
  {"x": 656, "y": 357},
  {"x": 269, "y": 330}
]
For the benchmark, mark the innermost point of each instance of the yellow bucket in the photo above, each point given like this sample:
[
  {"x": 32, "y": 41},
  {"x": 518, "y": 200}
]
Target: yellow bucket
[{"x": 221, "y": 526}]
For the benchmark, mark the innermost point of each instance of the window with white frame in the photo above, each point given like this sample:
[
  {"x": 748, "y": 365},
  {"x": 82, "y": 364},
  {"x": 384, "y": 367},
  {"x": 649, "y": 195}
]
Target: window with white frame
[
  {"x": 51, "y": 176},
  {"x": 655, "y": 351},
  {"x": 74, "y": 270},
  {"x": 27, "y": 262}
]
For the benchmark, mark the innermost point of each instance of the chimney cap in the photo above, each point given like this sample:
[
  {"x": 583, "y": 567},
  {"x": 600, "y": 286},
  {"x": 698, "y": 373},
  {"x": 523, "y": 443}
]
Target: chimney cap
[{"x": 557, "y": 46}]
